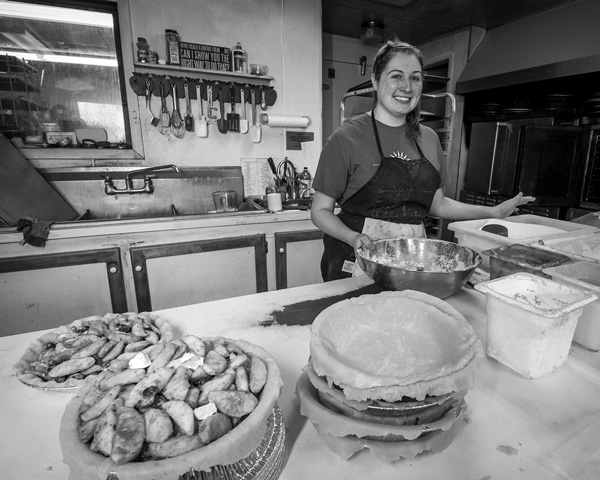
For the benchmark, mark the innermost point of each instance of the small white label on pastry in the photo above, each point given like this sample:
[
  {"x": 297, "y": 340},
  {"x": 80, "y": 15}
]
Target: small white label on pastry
[
  {"x": 205, "y": 411},
  {"x": 140, "y": 360}
]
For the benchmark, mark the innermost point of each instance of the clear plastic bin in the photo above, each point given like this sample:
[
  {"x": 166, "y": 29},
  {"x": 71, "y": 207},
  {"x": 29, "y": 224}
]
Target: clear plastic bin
[
  {"x": 583, "y": 246},
  {"x": 526, "y": 229},
  {"x": 584, "y": 275},
  {"x": 531, "y": 321}
]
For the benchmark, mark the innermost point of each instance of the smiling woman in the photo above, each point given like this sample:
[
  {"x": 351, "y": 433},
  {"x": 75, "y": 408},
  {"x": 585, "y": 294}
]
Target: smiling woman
[{"x": 60, "y": 72}]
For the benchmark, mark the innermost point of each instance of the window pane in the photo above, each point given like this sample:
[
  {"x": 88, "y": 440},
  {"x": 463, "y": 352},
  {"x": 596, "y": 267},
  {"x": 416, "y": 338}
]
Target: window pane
[{"x": 59, "y": 72}]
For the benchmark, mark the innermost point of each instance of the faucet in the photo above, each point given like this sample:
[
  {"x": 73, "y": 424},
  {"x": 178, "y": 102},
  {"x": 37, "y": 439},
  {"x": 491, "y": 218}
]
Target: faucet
[
  {"x": 110, "y": 189},
  {"x": 289, "y": 176}
]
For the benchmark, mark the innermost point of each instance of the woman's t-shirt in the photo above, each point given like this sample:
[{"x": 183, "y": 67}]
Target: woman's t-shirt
[{"x": 350, "y": 157}]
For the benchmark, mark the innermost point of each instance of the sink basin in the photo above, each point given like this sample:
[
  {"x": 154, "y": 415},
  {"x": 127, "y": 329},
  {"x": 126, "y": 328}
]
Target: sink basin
[{"x": 297, "y": 204}]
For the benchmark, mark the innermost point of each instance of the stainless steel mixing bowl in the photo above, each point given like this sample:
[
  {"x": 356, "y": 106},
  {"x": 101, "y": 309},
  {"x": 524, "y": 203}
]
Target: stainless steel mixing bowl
[{"x": 436, "y": 267}]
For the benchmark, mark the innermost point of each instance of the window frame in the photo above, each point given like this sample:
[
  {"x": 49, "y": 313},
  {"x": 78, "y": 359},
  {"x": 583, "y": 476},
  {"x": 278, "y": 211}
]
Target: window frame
[{"x": 79, "y": 157}]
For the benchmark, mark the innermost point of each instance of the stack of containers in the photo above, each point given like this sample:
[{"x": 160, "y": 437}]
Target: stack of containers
[
  {"x": 538, "y": 300},
  {"x": 582, "y": 271},
  {"x": 520, "y": 229}
]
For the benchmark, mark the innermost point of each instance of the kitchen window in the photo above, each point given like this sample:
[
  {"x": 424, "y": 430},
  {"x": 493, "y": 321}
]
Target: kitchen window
[{"x": 61, "y": 74}]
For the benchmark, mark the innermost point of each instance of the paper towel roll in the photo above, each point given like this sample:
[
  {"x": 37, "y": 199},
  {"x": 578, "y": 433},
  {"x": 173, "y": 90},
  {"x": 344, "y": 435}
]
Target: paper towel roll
[{"x": 284, "y": 120}]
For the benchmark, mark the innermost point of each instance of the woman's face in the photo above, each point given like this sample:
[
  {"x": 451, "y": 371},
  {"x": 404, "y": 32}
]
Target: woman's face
[{"x": 398, "y": 89}]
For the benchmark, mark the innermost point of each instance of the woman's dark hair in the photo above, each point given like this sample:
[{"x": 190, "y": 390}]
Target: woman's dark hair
[{"x": 382, "y": 58}]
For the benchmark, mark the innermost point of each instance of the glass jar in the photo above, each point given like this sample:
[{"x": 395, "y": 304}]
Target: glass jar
[
  {"x": 239, "y": 59},
  {"x": 142, "y": 50}
]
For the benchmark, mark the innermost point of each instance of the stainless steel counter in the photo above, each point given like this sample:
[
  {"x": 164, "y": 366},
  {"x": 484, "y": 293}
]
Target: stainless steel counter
[{"x": 515, "y": 428}]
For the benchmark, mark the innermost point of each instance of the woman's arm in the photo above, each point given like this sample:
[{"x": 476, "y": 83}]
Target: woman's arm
[
  {"x": 321, "y": 214},
  {"x": 452, "y": 210}
]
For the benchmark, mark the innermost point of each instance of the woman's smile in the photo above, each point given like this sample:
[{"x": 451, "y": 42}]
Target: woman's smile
[{"x": 402, "y": 98}]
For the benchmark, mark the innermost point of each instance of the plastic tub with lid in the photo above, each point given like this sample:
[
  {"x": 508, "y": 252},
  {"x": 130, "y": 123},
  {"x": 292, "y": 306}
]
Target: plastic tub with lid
[{"x": 531, "y": 321}]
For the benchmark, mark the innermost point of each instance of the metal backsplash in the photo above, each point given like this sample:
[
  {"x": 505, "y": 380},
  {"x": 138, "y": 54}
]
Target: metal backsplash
[{"x": 187, "y": 192}]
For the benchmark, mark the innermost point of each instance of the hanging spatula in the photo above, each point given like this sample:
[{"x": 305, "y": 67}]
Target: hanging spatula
[
  {"x": 255, "y": 131},
  {"x": 189, "y": 119},
  {"x": 233, "y": 117},
  {"x": 155, "y": 121},
  {"x": 222, "y": 121},
  {"x": 243, "y": 120},
  {"x": 202, "y": 125}
]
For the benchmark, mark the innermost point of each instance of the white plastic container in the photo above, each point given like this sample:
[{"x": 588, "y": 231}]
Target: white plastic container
[
  {"x": 584, "y": 275},
  {"x": 531, "y": 321},
  {"x": 522, "y": 229}
]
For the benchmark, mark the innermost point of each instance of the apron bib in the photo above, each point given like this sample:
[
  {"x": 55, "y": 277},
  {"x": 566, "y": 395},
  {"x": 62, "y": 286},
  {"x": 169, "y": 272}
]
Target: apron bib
[{"x": 393, "y": 203}]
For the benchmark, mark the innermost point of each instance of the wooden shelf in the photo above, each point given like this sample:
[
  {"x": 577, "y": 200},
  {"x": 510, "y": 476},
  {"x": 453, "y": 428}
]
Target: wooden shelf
[{"x": 197, "y": 71}]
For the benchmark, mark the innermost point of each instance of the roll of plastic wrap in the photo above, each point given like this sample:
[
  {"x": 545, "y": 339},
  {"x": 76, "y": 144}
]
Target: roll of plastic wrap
[{"x": 284, "y": 120}]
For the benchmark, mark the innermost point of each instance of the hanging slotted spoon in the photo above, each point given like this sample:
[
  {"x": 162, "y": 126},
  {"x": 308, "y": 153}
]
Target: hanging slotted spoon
[{"x": 177, "y": 125}]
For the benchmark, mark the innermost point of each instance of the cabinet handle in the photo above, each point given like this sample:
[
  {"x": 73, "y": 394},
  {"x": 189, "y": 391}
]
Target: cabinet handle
[
  {"x": 138, "y": 268},
  {"x": 282, "y": 250},
  {"x": 113, "y": 269}
]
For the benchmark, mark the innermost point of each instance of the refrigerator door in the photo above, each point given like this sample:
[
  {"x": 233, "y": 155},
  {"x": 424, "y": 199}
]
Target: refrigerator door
[
  {"x": 492, "y": 162},
  {"x": 549, "y": 163},
  {"x": 508, "y": 181},
  {"x": 484, "y": 162}
]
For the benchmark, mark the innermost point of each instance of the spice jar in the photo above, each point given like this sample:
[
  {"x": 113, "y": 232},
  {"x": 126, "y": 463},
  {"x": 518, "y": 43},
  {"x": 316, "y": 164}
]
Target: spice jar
[{"x": 152, "y": 56}]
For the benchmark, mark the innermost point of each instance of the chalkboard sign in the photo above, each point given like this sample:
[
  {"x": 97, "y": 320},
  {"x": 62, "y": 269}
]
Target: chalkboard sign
[{"x": 205, "y": 57}]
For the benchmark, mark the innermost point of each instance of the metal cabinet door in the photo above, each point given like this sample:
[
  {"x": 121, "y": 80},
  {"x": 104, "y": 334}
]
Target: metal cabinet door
[
  {"x": 298, "y": 258},
  {"x": 176, "y": 274},
  {"x": 48, "y": 290}
]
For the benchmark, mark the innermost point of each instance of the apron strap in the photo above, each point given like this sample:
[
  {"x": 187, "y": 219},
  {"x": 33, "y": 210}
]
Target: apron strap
[{"x": 374, "y": 122}]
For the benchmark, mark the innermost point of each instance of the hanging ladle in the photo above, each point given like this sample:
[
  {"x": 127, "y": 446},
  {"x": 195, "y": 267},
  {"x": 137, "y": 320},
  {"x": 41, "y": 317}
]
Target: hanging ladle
[{"x": 263, "y": 99}]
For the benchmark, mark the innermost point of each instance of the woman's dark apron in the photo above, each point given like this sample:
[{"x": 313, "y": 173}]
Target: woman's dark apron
[{"x": 401, "y": 191}]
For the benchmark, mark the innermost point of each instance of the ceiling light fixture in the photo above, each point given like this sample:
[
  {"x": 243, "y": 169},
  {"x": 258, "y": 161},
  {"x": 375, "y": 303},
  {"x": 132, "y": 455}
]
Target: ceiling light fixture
[{"x": 372, "y": 32}]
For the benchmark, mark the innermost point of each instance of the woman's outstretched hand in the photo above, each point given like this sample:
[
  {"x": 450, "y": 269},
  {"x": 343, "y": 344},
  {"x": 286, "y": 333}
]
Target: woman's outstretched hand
[{"x": 510, "y": 206}]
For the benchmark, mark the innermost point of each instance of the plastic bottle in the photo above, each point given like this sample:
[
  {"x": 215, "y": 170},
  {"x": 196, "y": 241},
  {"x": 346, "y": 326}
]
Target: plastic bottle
[
  {"x": 142, "y": 50},
  {"x": 239, "y": 59},
  {"x": 305, "y": 181},
  {"x": 172, "y": 38}
]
